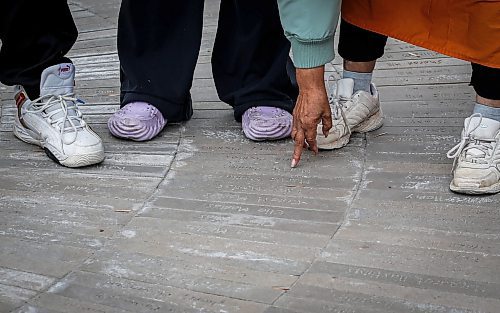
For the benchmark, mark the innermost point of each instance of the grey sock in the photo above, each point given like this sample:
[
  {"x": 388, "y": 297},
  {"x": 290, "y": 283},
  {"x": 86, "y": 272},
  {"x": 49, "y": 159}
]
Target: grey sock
[
  {"x": 487, "y": 111},
  {"x": 362, "y": 81}
]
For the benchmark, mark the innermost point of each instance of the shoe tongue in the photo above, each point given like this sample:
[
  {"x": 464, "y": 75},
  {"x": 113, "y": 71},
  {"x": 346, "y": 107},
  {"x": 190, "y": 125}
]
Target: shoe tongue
[
  {"x": 485, "y": 128},
  {"x": 58, "y": 80},
  {"x": 345, "y": 87}
]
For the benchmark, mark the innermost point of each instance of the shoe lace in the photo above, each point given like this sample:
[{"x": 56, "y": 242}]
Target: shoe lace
[
  {"x": 468, "y": 142},
  {"x": 56, "y": 110},
  {"x": 337, "y": 103}
]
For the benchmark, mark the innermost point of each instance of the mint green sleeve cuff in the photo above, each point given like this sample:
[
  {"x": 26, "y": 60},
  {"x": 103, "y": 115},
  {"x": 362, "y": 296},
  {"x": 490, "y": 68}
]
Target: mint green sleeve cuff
[
  {"x": 310, "y": 26},
  {"x": 309, "y": 54}
]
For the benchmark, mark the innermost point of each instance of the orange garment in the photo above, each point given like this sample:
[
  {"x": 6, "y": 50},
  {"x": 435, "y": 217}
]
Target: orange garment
[{"x": 465, "y": 29}]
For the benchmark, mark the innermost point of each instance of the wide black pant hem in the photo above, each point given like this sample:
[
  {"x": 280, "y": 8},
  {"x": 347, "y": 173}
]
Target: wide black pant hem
[
  {"x": 172, "y": 112},
  {"x": 486, "y": 81},
  {"x": 241, "y": 108}
]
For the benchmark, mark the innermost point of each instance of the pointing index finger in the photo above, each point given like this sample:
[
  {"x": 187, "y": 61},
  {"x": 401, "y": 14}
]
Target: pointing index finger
[{"x": 299, "y": 146}]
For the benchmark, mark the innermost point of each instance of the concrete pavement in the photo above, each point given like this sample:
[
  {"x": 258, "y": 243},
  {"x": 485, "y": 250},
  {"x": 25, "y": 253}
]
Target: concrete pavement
[{"x": 203, "y": 220}]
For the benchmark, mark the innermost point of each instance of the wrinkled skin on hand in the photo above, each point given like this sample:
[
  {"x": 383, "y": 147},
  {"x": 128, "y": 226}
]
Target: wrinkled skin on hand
[{"x": 311, "y": 109}]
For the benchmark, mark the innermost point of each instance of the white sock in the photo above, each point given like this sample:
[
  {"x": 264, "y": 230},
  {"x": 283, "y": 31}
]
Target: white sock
[
  {"x": 362, "y": 81},
  {"x": 487, "y": 111}
]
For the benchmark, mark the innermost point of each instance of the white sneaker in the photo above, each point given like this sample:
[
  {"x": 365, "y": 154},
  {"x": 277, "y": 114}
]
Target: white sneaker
[
  {"x": 476, "y": 169},
  {"x": 54, "y": 122},
  {"x": 351, "y": 112}
]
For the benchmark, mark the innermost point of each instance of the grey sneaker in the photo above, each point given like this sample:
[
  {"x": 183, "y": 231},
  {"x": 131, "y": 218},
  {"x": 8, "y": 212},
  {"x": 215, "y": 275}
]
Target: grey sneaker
[
  {"x": 54, "y": 122},
  {"x": 351, "y": 112},
  {"x": 476, "y": 169}
]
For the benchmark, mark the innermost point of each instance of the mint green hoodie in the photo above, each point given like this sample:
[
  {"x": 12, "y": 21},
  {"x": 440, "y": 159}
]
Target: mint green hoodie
[{"x": 310, "y": 26}]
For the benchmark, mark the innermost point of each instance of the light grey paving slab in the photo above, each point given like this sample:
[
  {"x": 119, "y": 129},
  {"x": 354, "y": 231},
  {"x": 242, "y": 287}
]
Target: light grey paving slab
[
  {"x": 346, "y": 163},
  {"x": 51, "y": 259},
  {"x": 384, "y": 298},
  {"x": 427, "y": 92},
  {"x": 428, "y": 109},
  {"x": 408, "y": 181},
  {"x": 447, "y": 218},
  {"x": 261, "y": 221},
  {"x": 411, "y": 196},
  {"x": 350, "y": 304},
  {"x": 95, "y": 43},
  {"x": 85, "y": 184},
  {"x": 274, "y": 309},
  {"x": 128, "y": 302},
  {"x": 170, "y": 270},
  {"x": 267, "y": 256},
  {"x": 204, "y": 283},
  {"x": 418, "y": 75},
  {"x": 196, "y": 182},
  {"x": 339, "y": 201},
  {"x": 424, "y": 142},
  {"x": 142, "y": 227},
  {"x": 421, "y": 78},
  {"x": 404, "y": 130},
  {"x": 407, "y": 167},
  {"x": 53, "y": 303},
  {"x": 79, "y": 201},
  {"x": 104, "y": 33},
  {"x": 12, "y": 297},
  {"x": 452, "y": 264},
  {"x": 227, "y": 141},
  {"x": 25, "y": 280},
  {"x": 73, "y": 225},
  {"x": 273, "y": 181},
  {"x": 424, "y": 122},
  {"x": 138, "y": 296},
  {"x": 243, "y": 214},
  {"x": 420, "y": 237},
  {"x": 398, "y": 64},
  {"x": 423, "y": 153},
  {"x": 403, "y": 279},
  {"x": 203, "y": 220},
  {"x": 111, "y": 165}
]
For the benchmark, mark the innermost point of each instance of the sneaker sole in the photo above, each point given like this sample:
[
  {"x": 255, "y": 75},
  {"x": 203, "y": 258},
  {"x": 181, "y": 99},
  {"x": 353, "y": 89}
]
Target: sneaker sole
[
  {"x": 339, "y": 143},
  {"x": 83, "y": 160},
  {"x": 476, "y": 191},
  {"x": 375, "y": 121},
  {"x": 72, "y": 161}
]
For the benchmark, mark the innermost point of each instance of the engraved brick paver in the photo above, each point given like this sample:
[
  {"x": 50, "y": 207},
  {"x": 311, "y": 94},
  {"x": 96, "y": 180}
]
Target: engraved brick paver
[{"x": 203, "y": 220}]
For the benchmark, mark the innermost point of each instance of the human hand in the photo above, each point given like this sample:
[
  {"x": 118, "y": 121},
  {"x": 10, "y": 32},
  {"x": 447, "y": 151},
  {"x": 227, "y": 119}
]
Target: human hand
[{"x": 311, "y": 108}]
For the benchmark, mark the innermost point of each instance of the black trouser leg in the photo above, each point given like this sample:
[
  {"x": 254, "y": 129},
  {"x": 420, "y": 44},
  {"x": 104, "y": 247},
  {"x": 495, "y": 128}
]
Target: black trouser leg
[
  {"x": 35, "y": 35},
  {"x": 360, "y": 45},
  {"x": 486, "y": 81},
  {"x": 158, "y": 45},
  {"x": 250, "y": 57}
]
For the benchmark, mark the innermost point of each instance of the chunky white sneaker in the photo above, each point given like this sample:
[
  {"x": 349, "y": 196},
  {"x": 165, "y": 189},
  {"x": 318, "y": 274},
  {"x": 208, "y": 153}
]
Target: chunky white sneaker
[
  {"x": 351, "y": 112},
  {"x": 476, "y": 169},
  {"x": 54, "y": 122}
]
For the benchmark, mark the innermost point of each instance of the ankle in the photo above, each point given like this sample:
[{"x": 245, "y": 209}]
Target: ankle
[
  {"x": 488, "y": 102},
  {"x": 362, "y": 81}
]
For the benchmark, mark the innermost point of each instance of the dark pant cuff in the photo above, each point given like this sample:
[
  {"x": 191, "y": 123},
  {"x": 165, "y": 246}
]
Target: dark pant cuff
[
  {"x": 241, "y": 108},
  {"x": 172, "y": 112}
]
